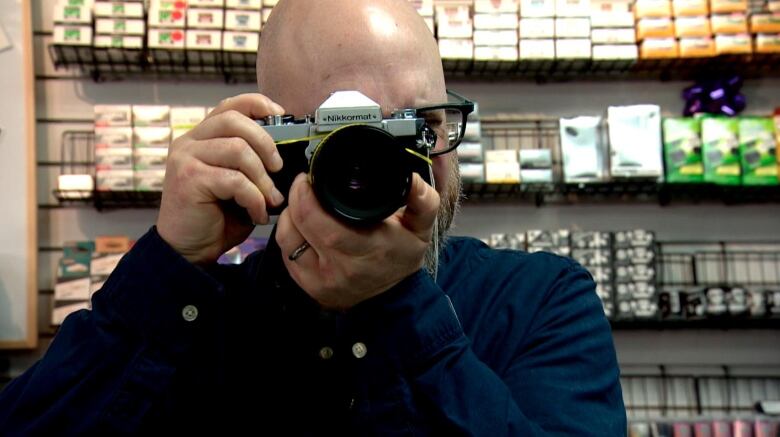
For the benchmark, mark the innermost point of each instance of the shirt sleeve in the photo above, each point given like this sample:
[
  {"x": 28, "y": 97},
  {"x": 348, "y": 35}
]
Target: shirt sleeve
[
  {"x": 106, "y": 367},
  {"x": 419, "y": 367}
]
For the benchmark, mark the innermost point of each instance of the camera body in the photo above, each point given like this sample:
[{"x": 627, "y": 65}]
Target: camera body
[{"x": 359, "y": 163}]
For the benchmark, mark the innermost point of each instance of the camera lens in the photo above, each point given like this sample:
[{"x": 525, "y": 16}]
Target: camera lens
[{"x": 361, "y": 174}]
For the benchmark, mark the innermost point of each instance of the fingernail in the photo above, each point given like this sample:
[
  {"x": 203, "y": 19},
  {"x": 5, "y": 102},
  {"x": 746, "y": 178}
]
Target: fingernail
[
  {"x": 276, "y": 161},
  {"x": 277, "y": 196}
]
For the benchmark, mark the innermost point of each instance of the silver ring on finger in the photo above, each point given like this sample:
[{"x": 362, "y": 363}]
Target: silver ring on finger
[{"x": 299, "y": 251}]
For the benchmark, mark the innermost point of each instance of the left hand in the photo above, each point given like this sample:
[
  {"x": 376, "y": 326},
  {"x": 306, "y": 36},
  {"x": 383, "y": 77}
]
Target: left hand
[{"x": 345, "y": 266}]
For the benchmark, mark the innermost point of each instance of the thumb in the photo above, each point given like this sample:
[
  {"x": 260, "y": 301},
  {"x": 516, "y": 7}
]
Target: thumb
[{"x": 421, "y": 208}]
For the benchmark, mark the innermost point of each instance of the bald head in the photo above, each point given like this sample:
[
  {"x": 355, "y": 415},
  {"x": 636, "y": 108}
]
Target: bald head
[{"x": 381, "y": 48}]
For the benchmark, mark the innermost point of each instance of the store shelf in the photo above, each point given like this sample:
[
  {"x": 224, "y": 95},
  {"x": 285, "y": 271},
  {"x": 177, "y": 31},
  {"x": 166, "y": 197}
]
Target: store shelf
[
  {"x": 105, "y": 64},
  {"x": 702, "y": 324},
  {"x": 110, "y": 200}
]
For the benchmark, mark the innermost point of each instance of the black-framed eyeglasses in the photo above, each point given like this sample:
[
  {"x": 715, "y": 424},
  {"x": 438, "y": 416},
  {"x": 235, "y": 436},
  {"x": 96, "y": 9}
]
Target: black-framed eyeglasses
[{"x": 447, "y": 121}]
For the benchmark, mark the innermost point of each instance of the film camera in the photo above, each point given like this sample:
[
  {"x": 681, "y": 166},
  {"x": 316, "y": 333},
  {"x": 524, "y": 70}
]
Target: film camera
[{"x": 360, "y": 164}]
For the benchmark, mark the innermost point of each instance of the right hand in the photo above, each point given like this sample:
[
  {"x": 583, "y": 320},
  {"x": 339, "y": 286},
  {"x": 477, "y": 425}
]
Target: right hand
[{"x": 225, "y": 158}]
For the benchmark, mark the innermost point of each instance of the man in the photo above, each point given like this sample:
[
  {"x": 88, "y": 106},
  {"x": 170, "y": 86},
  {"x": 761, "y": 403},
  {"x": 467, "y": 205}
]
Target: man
[{"x": 334, "y": 330}]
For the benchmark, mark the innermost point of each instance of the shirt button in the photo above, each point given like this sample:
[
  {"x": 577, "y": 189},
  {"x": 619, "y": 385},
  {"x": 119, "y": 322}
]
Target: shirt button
[
  {"x": 326, "y": 353},
  {"x": 359, "y": 350},
  {"x": 189, "y": 313}
]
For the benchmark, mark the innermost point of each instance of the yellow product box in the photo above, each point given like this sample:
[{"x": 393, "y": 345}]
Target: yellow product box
[
  {"x": 765, "y": 23},
  {"x": 697, "y": 47},
  {"x": 727, "y": 6},
  {"x": 655, "y": 48},
  {"x": 654, "y": 28},
  {"x": 733, "y": 44},
  {"x": 652, "y": 8},
  {"x": 729, "y": 23},
  {"x": 768, "y": 43},
  {"x": 687, "y": 27},
  {"x": 690, "y": 8}
]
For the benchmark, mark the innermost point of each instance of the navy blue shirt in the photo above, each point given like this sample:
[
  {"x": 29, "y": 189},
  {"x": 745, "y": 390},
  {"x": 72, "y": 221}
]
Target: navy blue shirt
[{"x": 503, "y": 343}]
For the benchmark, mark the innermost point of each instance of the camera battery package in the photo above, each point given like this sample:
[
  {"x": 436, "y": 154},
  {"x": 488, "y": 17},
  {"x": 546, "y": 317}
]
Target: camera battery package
[
  {"x": 72, "y": 281},
  {"x": 652, "y": 8},
  {"x": 74, "y": 35},
  {"x": 121, "y": 137},
  {"x": 495, "y": 38},
  {"x": 614, "y": 36},
  {"x": 741, "y": 44},
  {"x": 118, "y": 9},
  {"x": 150, "y": 158},
  {"x": 184, "y": 118},
  {"x": 537, "y": 8},
  {"x": 728, "y": 6},
  {"x": 495, "y": 53},
  {"x": 204, "y": 39},
  {"x": 148, "y": 180},
  {"x": 758, "y": 150},
  {"x": 166, "y": 39},
  {"x": 534, "y": 28},
  {"x": 697, "y": 47},
  {"x": 206, "y": 3},
  {"x": 659, "y": 48},
  {"x": 256, "y": 5},
  {"x": 113, "y": 115},
  {"x": 167, "y": 18},
  {"x": 450, "y": 48},
  {"x": 198, "y": 18},
  {"x": 584, "y": 149},
  {"x": 120, "y": 26},
  {"x": 690, "y": 8},
  {"x": 501, "y": 167},
  {"x": 536, "y": 166},
  {"x": 593, "y": 257},
  {"x": 767, "y": 43},
  {"x": 683, "y": 150},
  {"x": 114, "y": 180},
  {"x": 634, "y": 238},
  {"x": 112, "y": 244},
  {"x": 70, "y": 14},
  {"x": 248, "y": 21},
  {"x": 591, "y": 240},
  {"x": 635, "y": 274},
  {"x": 572, "y": 8},
  {"x": 151, "y": 137},
  {"x": 470, "y": 151},
  {"x": 639, "y": 255},
  {"x": 151, "y": 115},
  {"x": 496, "y": 22},
  {"x": 537, "y": 49},
  {"x": 692, "y": 27},
  {"x": 496, "y": 6},
  {"x": 635, "y": 139},
  {"x": 720, "y": 150},
  {"x": 119, "y": 41},
  {"x": 615, "y": 51},
  {"x": 472, "y": 172},
  {"x": 114, "y": 158},
  {"x": 574, "y": 48},
  {"x": 654, "y": 28},
  {"x": 572, "y": 27},
  {"x": 240, "y": 41},
  {"x": 557, "y": 242},
  {"x": 454, "y": 21},
  {"x": 765, "y": 23},
  {"x": 729, "y": 23},
  {"x": 507, "y": 241}
]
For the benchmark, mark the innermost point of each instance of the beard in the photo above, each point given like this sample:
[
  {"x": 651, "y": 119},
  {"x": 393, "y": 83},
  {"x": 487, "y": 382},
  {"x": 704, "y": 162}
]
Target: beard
[{"x": 448, "y": 209}]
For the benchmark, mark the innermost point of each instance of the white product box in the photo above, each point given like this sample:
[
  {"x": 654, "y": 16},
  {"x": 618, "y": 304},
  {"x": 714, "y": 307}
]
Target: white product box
[
  {"x": 454, "y": 26},
  {"x": 72, "y": 35},
  {"x": 572, "y": 27},
  {"x": 187, "y": 117},
  {"x": 168, "y": 18},
  {"x": 150, "y": 158},
  {"x": 456, "y": 48},
  {"x": 572, "y": 8},
  {"x": 613, "y": 36},
  {"x": 149, "y": 180},
  {"x": 495, "y": 21},
  {"x": 105, "y": 263},
  {"x": 119, "y": 9},
  {"x": 266, "y": 12},
  {"x": 573, "y": 48},
  {"x": 75, "y": 182},
  {"x": 205, "y": 18},
  {"x": 121, "y": 137},
  {"x": 119, "y": 41},
  {"x": 536, "y": 49},
  {"x": 60, "y": 313},
  {"x": 457, "y": 12},
  {"x": 113, "y": 158},
  {"x": 240, "y": 41},
  {"x": 615, "y": 51},
  {"x": 72, "y": 289},
  {"x": 612, "y": 19},
  {"x": 89, "y": 3},
  {"x": 206, "y": 3},
  {"x": 113, "y": 115},
  {"x": 496, "y": 6},
  {"x": 255, "y": 5},
  {"x": 635, "y": 141},
  {"x": 537, "y": 8},
  {"x": 114, "y": 180},
  {"x": 495, "y": 38},
  {"x": 501, "y": 166},
  {"x": 204, "y": 39},
  {"x": 501, "y": 155},
  {"x": 249, "y": 21},
  {"x": 151, "y": 115},
  {"x": 159, "y": 137},
  {"x": 583, "y": 149},
  {"x": 67, "y": 14},
  {"x": 166, "y": 39},
  {"x": 120, "y": 26},
  {"x": 537, "y": 28},
  {"x": 423, "y": 7},
  {"x": 472, "y": 172},
  {"x": 508, "y": 53},
  {"x": 470, "y": 151}
]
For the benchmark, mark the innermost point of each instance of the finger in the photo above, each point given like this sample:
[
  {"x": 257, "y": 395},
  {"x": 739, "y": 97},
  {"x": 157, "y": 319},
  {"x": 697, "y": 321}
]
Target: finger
[
  {"x": 252, "y": 105},
  {"x": 226, "y": 184},
  {"x": 232, "y": 123},
  {"x": 235, "y": 153},
  {"x": 289, "y": 238},
  {"x": 421, "y": 208}
]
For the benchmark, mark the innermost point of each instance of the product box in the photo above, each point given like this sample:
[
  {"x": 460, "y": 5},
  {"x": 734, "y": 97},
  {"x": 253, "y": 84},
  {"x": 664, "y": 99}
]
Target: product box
[
  {"x": 423, "y": 7},
  {"x": 266, "y": 12},
  {"x": 635, "y": 290},
  {"x": 113, "y": 115},
  {"x": 249, "y": 21},
  {"x": 496, "y": 22},
  {"x": 67, "y": 14},
  {"x": 204, "y": 39},
  {"x": 733, "y": 44},
  {"x": 72, "y": 289},
  {"x": 114, "y": 180},
  {"x": 470, "y": 151},
  {"x": 654, "y": 28},
  {"x": 118, "y": 9},
  {"x": 206, "y": 3},
  {"x": 613, "y": 36},
  {"x": 456, "y": 48},
  {"x": 102, "y": 264},
  {"x": 149, "y": 180},
  {"x": 120, "y": 26},
  {"x": 112, "y": 244},
  {"x": 537, "y": 8},
  {"x": 635, "y": 140},
  {"x": 584, "y": 149},
  {"x": 690, "y": 8},
  {"x": 75, "y": 186},
  {"x": 454, "y": 21},
  {"x": 591, "y": 240},
  {"x": 572, "y": 8},
  {"x": 496, "y": 53},
  {"x": 119, "y": 42},
  {"x": 72, "y": 35},
  {"x": 495, "y": 38},
  {"x": 615, "y": 51},
  {"x": 697, "y": 47},
  {"x": 634, "y": 238},
  {"x": 728, "y": 6},
  {"x": 767, "y": 43},
  {"x": 636, "y": 274},
  {"x": 121, "y": 137},
  {"x": 758, "y": 150},
  {"x": 166, "y": 39},
  {"x": 240, "y": 41},
  {"x": 765, "y": 23},
  {"x": 167, "y": 18},
  {"x": 186, "y": 117},
  {"x": 652, "y": 8},
  {"x": 682, "y": 150},
  {"x": 601, "y": 275},
  {"x": 539, "y": 238},
  {"x": 720, "y": 150},
  {"x": 150, "y": 158},
  {"x": 507, "y": 241},
  {"x": 113, "y": 158},
  {"x": 537, "y": 28},
  {"x": 496, "y": 6},
  {"x": 572, "y": 27},
  {"x": 641, "y": 255},
  {"x": 258, "y": 4},
  {"x": 471, "y": 172},
  {"x": 501, "y": 167},
  {"x": 205, "y": 18},
  {"x": 657, "y": 48},
  {"x": 575, "y": 48},
  {"x": 536, "y": 166},
  {"x": 693, "y": 27},
  {"x": 729, "y": 23},
  {"x": 159, "y": 137},
  {"x": 537, "y": 49},
  {"x": 612, "y": 19},
  {"x": 592, "y": 257},
  {"x": 151, "y": 115}
]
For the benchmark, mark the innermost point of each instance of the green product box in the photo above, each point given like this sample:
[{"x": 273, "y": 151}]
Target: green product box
[
  {"x": 682, "y": 150},
  {"x": 720, "y": 150},
  {"x": 758, "y": 149}
]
